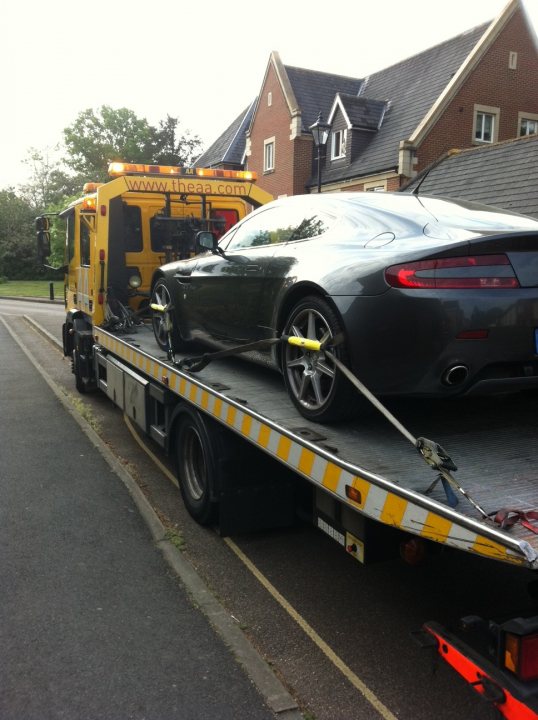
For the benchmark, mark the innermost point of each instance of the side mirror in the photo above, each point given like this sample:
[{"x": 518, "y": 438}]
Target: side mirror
[
  {"x": 206, "y": 240},
  {"x": 43, "y": 245},
  {"x": 42, "y": 223},
  {"x": 42, "y": 226}
]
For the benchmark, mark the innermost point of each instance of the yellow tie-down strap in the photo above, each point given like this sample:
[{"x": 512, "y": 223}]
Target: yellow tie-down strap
[{"x": 355, "y": 490}]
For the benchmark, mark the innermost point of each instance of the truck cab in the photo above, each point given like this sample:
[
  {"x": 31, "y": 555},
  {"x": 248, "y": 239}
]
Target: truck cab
[{"x": 119, "y": 232}]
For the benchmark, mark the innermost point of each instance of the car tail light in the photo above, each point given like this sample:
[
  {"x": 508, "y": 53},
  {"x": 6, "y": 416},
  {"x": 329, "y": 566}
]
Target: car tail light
[
  {"x": 519, "y": 647},
  {"x": 470, "y": 272}
]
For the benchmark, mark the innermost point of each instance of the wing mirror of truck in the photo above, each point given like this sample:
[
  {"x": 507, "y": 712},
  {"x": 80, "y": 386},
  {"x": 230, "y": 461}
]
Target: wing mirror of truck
[
  {"x": 206, "y": 240},
  {"x": 43, "y": 238}
]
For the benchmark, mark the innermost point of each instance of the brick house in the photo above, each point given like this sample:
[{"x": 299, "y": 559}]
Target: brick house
[{"x": 475, "y": 89}]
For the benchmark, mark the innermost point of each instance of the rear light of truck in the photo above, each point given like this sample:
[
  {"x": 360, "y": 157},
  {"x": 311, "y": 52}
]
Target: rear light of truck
[
  {"x": 520, "y": 650},
  {"x": 477, "y": 272}
]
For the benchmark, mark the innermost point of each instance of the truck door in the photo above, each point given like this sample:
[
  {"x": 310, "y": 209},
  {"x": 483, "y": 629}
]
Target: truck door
[{"x": 84, "y": 286}]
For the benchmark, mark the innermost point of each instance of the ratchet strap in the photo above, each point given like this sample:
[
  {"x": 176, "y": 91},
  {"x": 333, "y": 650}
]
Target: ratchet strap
[
  {"x": 432, "y": 453},
  {"x": 195, "y": 364},
  {"x": 199, "y": 362},
  {"x": 507, "y": 517}
]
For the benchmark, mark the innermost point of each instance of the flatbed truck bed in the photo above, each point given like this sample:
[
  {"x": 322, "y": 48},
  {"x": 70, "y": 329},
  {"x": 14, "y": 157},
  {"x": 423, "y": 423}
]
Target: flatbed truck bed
[{"x": 492, "y": 441}]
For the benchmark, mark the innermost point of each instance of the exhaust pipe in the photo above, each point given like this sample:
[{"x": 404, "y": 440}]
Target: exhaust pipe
[{"x": 455, "y": 375}]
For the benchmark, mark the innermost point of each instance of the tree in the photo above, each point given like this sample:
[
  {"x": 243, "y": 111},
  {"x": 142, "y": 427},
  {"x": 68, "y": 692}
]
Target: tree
[
  {"x": 95, "y": 139},
  {"x": 49, "y": 190},
  {"x": 100, "y": 137},
  {"x": 49, "y": 183},
  {"x": 17, "y": 237},
  {"x": 172, "y": 150}
]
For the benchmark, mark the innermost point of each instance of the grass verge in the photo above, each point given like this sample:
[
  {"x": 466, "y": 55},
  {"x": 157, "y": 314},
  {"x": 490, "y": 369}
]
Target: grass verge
[{"x": 31, "y": 288}]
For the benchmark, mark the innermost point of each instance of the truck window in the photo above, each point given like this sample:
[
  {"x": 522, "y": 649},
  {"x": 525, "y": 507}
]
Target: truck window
[
  {"x": 223, "y": 220},
  {"x": 174, "y": 235},
  {"x": 84, "y": 243},
  {"x": 70, "y": 237},
  {"x": 132, "y": 223}
]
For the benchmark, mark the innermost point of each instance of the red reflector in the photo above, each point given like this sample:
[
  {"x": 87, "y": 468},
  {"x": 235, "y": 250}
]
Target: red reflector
[
  {"x": 102, "y": 210},
  {"x": 479, "y": 272},
  {"x": 472, "y": 335},
  {"x": 521, "y": 655},
  {"x": 529, "y": 657},
  {"x": 100, "y": 298},
  {"x": 101, "y": 256}
]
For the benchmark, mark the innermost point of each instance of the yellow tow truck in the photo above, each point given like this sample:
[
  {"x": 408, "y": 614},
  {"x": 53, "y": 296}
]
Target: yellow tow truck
[{"x": 119, "y": 232}]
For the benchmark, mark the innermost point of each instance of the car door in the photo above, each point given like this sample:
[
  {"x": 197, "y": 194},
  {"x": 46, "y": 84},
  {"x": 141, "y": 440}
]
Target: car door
[{"x": 223, "y": 300}]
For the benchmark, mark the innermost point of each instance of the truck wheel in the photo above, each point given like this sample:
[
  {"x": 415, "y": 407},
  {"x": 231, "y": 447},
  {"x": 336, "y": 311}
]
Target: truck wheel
[
  {"x": 67, "y": 339},
  {"x": 79, "y": 381},
  {"x": 315, "y": 386},
  {"x": 161, "y": 296},
  {"x": 199, "y": 455}
]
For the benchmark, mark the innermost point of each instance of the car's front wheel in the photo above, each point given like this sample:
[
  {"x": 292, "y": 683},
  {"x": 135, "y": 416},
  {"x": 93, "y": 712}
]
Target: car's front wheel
[{"x": 319, "y": 391}]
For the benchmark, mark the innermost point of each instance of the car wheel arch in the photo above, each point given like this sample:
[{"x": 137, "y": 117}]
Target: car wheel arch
[
  {"x": 158, "y": 275},
  {"x": 295, "y": 295}
]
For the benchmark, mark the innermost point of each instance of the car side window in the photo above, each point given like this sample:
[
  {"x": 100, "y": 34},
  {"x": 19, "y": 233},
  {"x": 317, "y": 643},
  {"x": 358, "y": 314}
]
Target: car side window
[
  {"x": 276, "y": 225},
  {"x": 311, "y": 225}
]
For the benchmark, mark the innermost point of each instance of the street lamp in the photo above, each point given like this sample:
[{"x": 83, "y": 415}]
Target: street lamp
[{"x": 320, "y": 133}]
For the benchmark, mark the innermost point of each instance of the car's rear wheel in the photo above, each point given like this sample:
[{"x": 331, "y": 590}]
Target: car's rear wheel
[
  {"x": 159, "y": 320},
  {"x": 319, "y": 391}
]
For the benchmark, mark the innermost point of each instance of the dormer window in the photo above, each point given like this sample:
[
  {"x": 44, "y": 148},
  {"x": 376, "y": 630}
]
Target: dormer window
[{"x": 338, "y": 144}]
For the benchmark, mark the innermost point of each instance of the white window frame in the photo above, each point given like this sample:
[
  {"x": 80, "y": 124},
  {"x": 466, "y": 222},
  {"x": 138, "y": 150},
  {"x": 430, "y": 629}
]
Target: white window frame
[
  {"x": 269, "y": 99},
  {"x": 269, "y": 155},
  {"x": 521, "y": 117},
  {"x": 512, "y": 60},
  {"x": 338, "y": 144},
  {"x": 480, "y": 111}
]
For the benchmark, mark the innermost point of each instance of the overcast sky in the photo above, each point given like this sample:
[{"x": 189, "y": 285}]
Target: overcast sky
[{"x": 201, "y": 61}]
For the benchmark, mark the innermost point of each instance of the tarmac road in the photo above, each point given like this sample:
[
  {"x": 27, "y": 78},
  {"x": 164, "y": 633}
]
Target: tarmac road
[
  {"x": 364, "y": 614},
  {"x": 93, "y": 623}
]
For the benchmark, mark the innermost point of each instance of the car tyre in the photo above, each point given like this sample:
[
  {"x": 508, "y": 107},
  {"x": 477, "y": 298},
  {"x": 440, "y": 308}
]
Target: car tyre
[
  {"x": 161, "y": 296},
  {"x": 318, "y": 390}
]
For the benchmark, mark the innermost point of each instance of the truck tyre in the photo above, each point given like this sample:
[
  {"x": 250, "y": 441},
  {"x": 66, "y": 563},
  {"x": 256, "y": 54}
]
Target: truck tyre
[
  {"x": 200, "y": 462},
  {"x": 317, "y": 389},
  {"x": 161, "y": 296},
  {"x": 79, "y": 380},
  {"x": 67, "y": 339}
]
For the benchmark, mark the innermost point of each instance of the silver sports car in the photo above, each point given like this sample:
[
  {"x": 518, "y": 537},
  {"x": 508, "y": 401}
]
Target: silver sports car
[{"x": 417, "y": 295}]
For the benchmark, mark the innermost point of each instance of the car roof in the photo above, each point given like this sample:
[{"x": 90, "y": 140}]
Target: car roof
[{"x": 423, "y": 209}]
